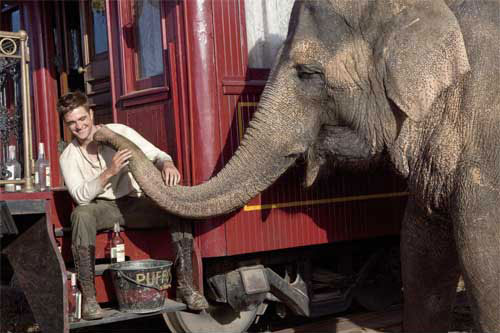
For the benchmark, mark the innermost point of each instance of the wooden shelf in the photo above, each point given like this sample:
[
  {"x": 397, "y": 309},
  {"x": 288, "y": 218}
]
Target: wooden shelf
[
  {"x": 18, "y": 206},
  {"x": 26, "y": 195}
]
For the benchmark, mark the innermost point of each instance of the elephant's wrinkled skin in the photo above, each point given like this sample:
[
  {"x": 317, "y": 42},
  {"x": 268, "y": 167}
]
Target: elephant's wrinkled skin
[{"x": 417, "y": 81}]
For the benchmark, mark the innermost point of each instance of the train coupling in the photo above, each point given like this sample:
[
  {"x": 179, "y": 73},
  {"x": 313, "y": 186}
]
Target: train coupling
[{"x": 247, "y": 287}]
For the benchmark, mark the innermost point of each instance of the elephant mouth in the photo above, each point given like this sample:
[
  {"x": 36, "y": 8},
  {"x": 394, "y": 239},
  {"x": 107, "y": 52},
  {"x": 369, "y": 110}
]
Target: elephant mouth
[
  {"x": 343, "y": 144},
  {"x": 339, "y": 147}
]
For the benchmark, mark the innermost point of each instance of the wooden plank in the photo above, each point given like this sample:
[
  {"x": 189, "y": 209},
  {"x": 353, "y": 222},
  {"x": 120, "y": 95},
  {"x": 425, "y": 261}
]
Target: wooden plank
[
  {"x": 21, "y": 207},
  {"x": 387, "y": 321}
]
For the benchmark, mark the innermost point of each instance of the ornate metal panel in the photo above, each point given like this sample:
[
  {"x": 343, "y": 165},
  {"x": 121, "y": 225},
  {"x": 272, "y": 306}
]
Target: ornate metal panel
[
  {"x": 15, "y": 116},
  {"x": 10, "y": 117}
]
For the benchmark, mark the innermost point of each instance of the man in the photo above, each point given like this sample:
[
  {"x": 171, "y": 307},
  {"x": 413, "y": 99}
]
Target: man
[{"x": 98, "y": 180}]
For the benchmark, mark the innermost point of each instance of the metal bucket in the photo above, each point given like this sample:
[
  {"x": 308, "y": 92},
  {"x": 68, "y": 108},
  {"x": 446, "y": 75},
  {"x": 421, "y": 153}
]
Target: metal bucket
[{"x": 141, "y": 285}]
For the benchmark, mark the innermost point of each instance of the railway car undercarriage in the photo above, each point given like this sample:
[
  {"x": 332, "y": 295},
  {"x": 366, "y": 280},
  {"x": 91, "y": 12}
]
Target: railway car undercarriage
[{"x": 239, "y": 296}]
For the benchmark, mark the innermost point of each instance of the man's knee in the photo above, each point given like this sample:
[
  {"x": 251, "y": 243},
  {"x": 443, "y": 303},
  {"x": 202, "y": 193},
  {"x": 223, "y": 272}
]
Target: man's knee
[
  {"x": 82, "y": 214},
  {"x": 83, "y": 225}
]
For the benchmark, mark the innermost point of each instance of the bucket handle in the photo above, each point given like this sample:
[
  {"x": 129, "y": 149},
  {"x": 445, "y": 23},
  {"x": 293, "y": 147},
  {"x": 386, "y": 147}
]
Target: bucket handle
[{"x": 120, "y": 273}]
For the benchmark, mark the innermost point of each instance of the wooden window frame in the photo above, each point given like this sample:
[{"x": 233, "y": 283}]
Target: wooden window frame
[
  {"x": 90, "y": 29},
  {"x": 130, "y": 54}
]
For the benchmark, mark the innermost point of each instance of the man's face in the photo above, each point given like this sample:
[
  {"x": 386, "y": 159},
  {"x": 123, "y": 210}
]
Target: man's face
[{"x": 80, "y": 122}]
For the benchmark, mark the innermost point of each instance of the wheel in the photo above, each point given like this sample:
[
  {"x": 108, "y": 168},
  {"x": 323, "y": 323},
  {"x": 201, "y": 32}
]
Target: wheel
[{"x": 219, "y": 318}]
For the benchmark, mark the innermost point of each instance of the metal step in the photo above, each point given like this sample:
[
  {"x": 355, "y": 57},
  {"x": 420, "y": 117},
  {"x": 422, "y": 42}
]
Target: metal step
[{"x": 114, "y": 315}]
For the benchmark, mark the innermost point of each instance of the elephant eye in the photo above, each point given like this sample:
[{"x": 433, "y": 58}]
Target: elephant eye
[
  {"x": 308, "y": 72},
  {"x": 305, "y": 75}
]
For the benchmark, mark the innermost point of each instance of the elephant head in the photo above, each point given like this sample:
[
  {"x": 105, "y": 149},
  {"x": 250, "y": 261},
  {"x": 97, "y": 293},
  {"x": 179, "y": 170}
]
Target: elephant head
[{"x": 350, "y": 79}]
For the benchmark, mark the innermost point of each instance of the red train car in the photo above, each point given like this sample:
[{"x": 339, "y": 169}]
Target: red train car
[{"x": 187, "y": 75}]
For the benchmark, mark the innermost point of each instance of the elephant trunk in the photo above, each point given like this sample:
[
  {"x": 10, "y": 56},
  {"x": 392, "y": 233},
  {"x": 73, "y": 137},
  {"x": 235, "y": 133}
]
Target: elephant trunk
[{"x": 252, "y": 169}]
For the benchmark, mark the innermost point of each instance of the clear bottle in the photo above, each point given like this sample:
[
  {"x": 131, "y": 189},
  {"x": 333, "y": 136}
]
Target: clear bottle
[
  {"x": 14, "y": 168},
  {"x": 59, "y": 247},
  {"x": 74, "y": 301},
  {"x": 42, "y": 171},
  {"x": 117, "y": 246}
]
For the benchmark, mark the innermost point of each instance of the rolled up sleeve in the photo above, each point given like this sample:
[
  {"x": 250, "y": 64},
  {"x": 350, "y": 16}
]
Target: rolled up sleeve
[{"x": 82, "y": 191}]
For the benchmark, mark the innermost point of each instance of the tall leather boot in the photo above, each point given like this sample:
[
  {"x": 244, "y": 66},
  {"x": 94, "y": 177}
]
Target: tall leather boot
[
  {"x": 184, "y": 270},
  {"x": 84, "y": 258}
]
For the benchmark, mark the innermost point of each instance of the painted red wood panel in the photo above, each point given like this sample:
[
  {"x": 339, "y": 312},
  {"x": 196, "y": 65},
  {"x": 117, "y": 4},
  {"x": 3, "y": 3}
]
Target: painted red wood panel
[
  {"x": 176, "y": 41},
  {"x": 44, "y": 85},
  {"x": 149, "y": 120},
  {"x": 203, "y": 111},
  {"x": 359, "y": 212},
  {"x": 224, "y": 56}
]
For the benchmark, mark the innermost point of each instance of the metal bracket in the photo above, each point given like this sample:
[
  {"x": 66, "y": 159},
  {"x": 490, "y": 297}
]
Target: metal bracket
[
  {"x": 292, "y": 294},
  {"x": 254, "y": 279}
]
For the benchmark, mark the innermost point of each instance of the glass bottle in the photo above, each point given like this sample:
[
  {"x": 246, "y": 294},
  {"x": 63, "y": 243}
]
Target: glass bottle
[
  {"x": 75, "y": 301},
  {"x": 42, "y": 171},
  {"x": 14, "y": 169},
  {"x": 117, "y": 245},
  {"x": 59, "y": 247}
]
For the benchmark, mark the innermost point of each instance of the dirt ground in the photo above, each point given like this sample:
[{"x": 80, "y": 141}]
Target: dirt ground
[{"x": 16, "y": 317}]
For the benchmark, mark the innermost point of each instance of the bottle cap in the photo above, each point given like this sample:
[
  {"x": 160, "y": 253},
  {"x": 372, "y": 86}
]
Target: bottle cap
[
  {"x": 41, "y": 148},
  {"x": 73, "y": 279},
  {"x": 116, "y": 228}
]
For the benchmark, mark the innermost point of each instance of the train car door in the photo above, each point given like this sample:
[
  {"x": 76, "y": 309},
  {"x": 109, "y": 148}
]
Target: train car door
[
  {"x": 95, "y": 58},
  {"x": 82, "y": 57},
  {"x": 147, "y": 55}
]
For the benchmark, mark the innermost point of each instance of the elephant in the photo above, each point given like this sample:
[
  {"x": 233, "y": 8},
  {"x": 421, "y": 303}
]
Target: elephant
[{"x": 413, "y": 82}]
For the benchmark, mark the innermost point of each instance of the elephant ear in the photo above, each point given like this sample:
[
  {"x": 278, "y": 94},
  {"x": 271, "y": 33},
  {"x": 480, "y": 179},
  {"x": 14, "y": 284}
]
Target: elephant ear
[{"x": 424, "y": 53}]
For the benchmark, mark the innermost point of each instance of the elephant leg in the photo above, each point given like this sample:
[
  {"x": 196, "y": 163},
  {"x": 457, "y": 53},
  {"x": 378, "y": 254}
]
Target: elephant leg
[
  {"x": 477, "y": 231},
  {"x": 430, "y": 272}
]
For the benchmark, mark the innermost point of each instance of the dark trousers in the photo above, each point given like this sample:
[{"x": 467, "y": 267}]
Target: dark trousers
[{"x": 133, "y": 213}]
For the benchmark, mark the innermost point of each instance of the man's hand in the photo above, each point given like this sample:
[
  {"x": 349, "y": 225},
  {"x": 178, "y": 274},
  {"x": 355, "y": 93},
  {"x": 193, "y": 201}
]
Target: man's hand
[
  {"x": 119, "y": 161},
  {"x": 171, "y": 175}
]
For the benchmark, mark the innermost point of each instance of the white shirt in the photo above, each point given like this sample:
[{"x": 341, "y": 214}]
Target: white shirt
[{"x": 81, "y": 175}]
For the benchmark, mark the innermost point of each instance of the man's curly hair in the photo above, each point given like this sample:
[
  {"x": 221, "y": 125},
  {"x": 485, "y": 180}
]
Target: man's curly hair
[{"x": 71, "y": 101}]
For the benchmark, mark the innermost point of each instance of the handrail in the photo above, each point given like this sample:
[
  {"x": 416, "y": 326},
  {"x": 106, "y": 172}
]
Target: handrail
[{"x": 15, "y": 45}]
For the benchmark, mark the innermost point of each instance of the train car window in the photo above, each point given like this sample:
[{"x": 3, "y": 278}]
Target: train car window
[
  {"x": 99, "y": 26},
  {"x": 11, "y": 17},
  {"x": 148, "y": 41},
  {"x": 142, "y": 25},
  {"x": 266, "y": 26},
  {"x": 15, "y": 21}
]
